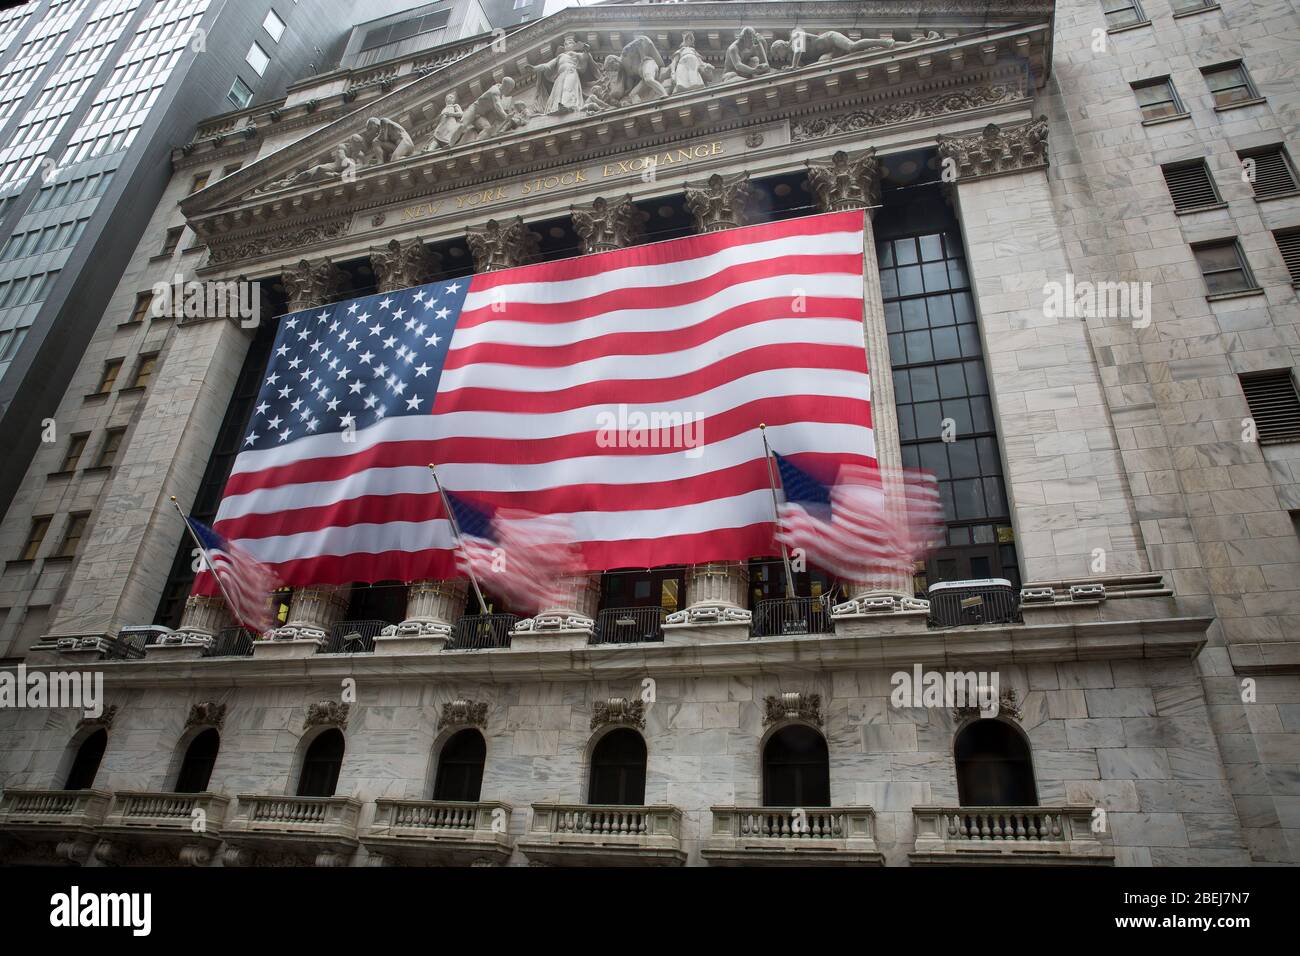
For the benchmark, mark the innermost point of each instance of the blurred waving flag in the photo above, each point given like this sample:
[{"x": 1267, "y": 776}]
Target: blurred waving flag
[
  {"x": 848, "y": 527},
  {"x": 246, "y": 581},
  {"x": 617, "y": 392}
]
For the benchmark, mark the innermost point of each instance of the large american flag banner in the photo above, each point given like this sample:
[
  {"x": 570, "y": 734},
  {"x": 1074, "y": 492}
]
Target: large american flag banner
[{"x": 620, "y": 390}]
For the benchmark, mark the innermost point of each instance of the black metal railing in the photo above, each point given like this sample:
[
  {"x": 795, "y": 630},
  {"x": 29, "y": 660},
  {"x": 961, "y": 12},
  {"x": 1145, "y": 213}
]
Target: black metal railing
[
  {"x": 231, "y": 642},
  {"x": 128, "y": 647},
  {"x": 801, "y": 615},
  {"x": 353, "y": 637},
  {"x": 628, "y": 625},
  {"x": 476, "y": 632},
  {"x": 966, "y": 603}
]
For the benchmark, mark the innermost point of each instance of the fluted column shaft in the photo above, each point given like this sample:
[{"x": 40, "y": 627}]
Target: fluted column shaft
[{"x": 205, "y": 615}]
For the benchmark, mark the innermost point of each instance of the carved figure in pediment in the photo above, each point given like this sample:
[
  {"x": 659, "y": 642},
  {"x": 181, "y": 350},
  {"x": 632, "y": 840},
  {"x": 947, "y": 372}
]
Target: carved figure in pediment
[
  {"x": 746, "y": 57},
  {"x": 804, "y": 47},
  {"x": 448, "y": 122},
  {"x": 560, "y": 79},
  {"x": 687, "y": 70},
  {"x": 343, "y": 162},
  {"x": 608, "y": 91},
  {"x": 385, "y": 141},
  {"x": 641, "y": 63},
  {"x": 488, "y": 114},
  {"x": 520, "y": 115}
]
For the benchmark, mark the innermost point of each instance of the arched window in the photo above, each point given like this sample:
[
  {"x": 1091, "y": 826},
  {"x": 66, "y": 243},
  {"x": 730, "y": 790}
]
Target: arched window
[
  {"x": 618, "y": 769},
  {"x": 993, "y": 767},
  {"x": 796, "y": 769},
  {"x": 460, "y": 767},
  {"x": 196, "y": 768},
  {"x": 86, "y": 764},
  {"x": 320, "y": 765}
]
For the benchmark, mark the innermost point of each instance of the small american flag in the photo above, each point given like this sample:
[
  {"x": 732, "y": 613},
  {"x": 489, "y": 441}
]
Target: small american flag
[
  {"x": 560, "y": 390},
  {"x": 246, "y": 581}
]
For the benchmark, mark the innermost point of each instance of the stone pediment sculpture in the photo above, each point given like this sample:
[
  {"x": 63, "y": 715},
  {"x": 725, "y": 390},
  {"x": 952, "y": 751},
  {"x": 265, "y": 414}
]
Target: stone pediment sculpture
[{"x": 566, "y": 84}]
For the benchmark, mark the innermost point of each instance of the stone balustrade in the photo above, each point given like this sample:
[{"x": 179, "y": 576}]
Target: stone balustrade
[
  {"x": 440, "y": 832},
  {"x": 33, "y": 822},
  {"x": 796, "y": 836},
  {"x": 184, "y": 824},
  {"x": 323, "y": 829},
  {"x": 1008, "y": 835},
  {"x": 143, "y": 808},
  {"x": 591, "y": 835}
]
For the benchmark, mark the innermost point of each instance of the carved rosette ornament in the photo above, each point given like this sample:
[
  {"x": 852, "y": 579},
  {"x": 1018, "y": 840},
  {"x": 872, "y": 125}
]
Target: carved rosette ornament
[
  {"x": 845, "y": 180},
  {"x": 997, "y": 149},
  {"x": 209, "y": 713},
  {"x": 309, "y": 284},
  {"x": 619, "y": 711},
  {"x": 1008, "y": 706},
  {"x": 327, "y": 713},
  {"x": 502, "y": 244},
  {"x": 463, "y": 713},
  {"x": 402, "y": 264},
  {"x": 792, "y": 705},
  {"x": 104, "y": 720},
  {"x": 721, "y": 202},
  {"x": 608, "y": 224}
]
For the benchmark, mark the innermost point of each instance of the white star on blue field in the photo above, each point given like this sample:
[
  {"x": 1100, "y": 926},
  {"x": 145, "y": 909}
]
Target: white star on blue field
[{"x": 354, "y": 363}]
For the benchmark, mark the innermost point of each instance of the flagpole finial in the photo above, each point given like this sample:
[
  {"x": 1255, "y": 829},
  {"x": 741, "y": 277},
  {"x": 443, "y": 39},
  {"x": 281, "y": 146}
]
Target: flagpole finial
[
  {"x": 173, "y": 497},
  {"x": 762, "y": 427}
]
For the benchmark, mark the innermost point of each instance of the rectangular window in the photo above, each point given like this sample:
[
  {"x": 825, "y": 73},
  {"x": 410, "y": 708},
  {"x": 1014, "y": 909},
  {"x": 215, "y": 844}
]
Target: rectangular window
[
  {"x": 1123, "y": 13},
  {"x": 108, "y": 451},
  {"x": 1274, "y": 406},
  {"x": 1190, "y": 185},
  {"x": 1157, "y": 98},
  {"x": 72, "y": 536},
  {"x": 1191, "y": 6},
  {"x": 109, "y": 376},
  {"x": 171, "y": 240},
  {"x": 76, "y": 445},
  {"x": 143, "y": 300},
  {"x": 144, "y": 370},
  {"x": 1269, "y": 171},
  {"x": 1288, "y": 243},
  {"x": 1224, "y": 266},
  {"x": 240, "y": 95},
  {"x": 35, "y": 536},
  {"x": 273, "y": 25},
  {"x": 1229, "y": 83},
  {"x": 198, "y": 183},
  {"x": 257, "y": 59}
]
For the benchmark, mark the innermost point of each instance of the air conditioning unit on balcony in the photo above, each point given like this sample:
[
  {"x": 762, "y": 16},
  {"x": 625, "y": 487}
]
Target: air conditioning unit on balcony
[{"x": 982, "y": 601}]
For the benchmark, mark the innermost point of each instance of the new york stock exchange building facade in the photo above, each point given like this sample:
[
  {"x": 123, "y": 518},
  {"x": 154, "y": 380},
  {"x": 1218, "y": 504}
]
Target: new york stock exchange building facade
[{"x": 1115, "y": 559}]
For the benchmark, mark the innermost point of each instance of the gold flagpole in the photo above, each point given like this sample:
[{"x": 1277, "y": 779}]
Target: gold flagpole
[
  {"x": 455, "y": 530},
  {"x": 207, "y": 559},
  {"x": 776, "y": 511}
]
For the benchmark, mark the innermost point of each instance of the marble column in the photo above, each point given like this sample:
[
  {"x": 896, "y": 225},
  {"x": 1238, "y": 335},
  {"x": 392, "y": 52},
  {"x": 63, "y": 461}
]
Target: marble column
[
  {"x": 203, "y": 618},
  {"x": 607, "y": 224},
  {"x": 502, "y": 244},
  {"x": 432, "y": 607},
  {"x": 313, "y": 611},
  {"x": 843, "y": 181},
  {"x": 717, "y": 590}
]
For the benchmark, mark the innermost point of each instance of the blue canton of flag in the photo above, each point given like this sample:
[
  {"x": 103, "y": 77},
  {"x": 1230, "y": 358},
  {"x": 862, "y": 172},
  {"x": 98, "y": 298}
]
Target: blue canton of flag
[
  {"x": 802, "y": 488},
  {"x": 351, "y": 364}
]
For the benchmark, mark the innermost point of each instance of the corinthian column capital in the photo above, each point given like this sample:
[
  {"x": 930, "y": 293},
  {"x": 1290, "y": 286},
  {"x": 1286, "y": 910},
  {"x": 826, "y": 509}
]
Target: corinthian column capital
[
  {"x": 608, "y": 224},
  {"x": 845, "y": 180},
  {"x": 502, "y": 244},
  {"x": 402, "y": 264},
  {"x": 1009, "y": 148},
  {"x": 721, "y": 202},
  {"x": 309, "y": 284}
]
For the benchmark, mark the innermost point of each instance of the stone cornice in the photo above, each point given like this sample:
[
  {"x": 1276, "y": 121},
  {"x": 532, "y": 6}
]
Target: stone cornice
[{"x": 858, "y": 645}]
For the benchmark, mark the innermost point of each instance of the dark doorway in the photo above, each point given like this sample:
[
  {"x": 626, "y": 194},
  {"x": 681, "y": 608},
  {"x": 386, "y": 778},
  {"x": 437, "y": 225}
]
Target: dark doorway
[
  {"x": 86, "y": 764},
  {"x": 994, "y": 767},
  {"x": 460, "y": 767},
  {"x": 796, "y": 769},
  {"x": 618, "y": 769},
  {"x": 321, "y": 765},
  {"x": 196, "y": 768}
]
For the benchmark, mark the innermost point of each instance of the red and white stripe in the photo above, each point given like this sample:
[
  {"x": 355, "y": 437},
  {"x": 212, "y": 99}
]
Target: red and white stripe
[
  {"x": 749, "y": 325},
  {"x": 245, "y": 581}
]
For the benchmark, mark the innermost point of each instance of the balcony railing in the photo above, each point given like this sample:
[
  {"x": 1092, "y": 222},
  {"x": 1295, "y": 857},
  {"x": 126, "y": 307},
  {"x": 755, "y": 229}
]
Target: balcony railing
[
  {"x": 231, "y": 642},
  {"x": 353, "y": 637},
  {"x": 321, "y": 827},
  {"x": 786, "y": 616},
  {"x": 477, "y": 632},
  {"x": 793, "y": 835},
  {"x": 440, "y": 832},
  {"x": 161, "y": 810},
  {"x": 1008, "y": 834},
  {"x": 628, "y": 625},
  {"x": 66, "y": 818},
  {"x": 605, "y": 835}
]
